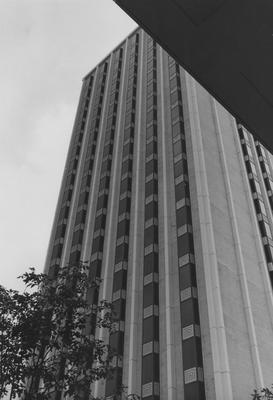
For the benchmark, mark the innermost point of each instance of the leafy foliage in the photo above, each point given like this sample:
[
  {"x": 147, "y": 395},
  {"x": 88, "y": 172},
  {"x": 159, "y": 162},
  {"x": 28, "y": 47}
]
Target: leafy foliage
[
  {"x": 47, "y": 343},
  {"x": 263, "y": 394}
]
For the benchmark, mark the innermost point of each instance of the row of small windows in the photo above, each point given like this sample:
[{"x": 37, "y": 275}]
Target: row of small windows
[
  {"x": 88, "y": 167},
  {"x": 150, "y": 361},
  {"x": 71, "y": 172},
  {"x": 191, "y": 346},
  {"x": 123, "y": 227},
  {"x": 257, "y": 193}
]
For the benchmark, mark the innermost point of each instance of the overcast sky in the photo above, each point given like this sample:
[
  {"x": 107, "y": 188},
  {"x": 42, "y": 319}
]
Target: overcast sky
[{"x": 47, "y": 46}]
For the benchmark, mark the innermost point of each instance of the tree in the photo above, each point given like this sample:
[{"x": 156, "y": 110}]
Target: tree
[
  {"x": 47, "y": 342},
  {"x": 263, "y": 394}
]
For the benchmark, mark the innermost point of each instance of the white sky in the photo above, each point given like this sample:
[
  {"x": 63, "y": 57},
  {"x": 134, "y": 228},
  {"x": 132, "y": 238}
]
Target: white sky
[{"x": 46, "y": 47}]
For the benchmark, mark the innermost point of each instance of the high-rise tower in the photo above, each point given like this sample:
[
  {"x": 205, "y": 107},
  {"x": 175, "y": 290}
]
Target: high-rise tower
[{"x": 170, "y": 201}]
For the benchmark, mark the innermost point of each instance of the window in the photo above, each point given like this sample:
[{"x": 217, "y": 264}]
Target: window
[
  {"x": 151, "y": 187},
  {"x": 118, "y": 310},
  {"x": 150, "y": 368},
  {"x": 151, "y": 167},
  {"x": 151, "y": 235},
  {"x": 150, "y": 263},
  {"x": 192, "y": 353},
  {"x": 120, "y": 279},
  {"x": 124, "y": 205},
  {"x": 126, "y": 166},
  {"x": 125, "y": 185},
  {"x": 189, "y": 312},
  {"x": 181, "y": 191},
  {"x": 77, "y": 237},
  {"x": 151, "y": 210},
  {"x": 150, "y": 329},
  {"x": 183, "y": 216},
  {"x": 97, "y": 246},
  {"x": 121, "y": 253},
  {"x": 185, "y": 244},
  {"x": 60, "y": 232},
  {"x": 104, "y": 183},
  {"x": 187, "y": 277},
  {"x": 151, "y": 148},
  {"x": 128, "y": 149},
  {"x": 150, "y": 294},
  {"x": 177, "y": 148},
  {"x": 123, "y": 228},
  {"x": 173, "y": 83},
  {"x": 102, "y": 202},
  {"x": 100, "y": 222}
]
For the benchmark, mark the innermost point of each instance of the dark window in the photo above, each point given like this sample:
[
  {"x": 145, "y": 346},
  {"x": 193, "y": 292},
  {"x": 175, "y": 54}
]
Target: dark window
[
  {"x": 125, "y": 185},
  {"x": 185, "y": 244},
  {"x": 97, "y": 244},
  {"x": 83, "y": 199},
  {"x": 180, "y": 168},
  {"x": 176, "y": 112},
  {"x": 151, "y": 101},
  {"x": 128, "y": 149},
  {"x": 75, "y": 257},
  {"x": 192, "y": 353},
  {"x": 183, "y": 216},
  {"x": 150, "y": 294},
  {"x": 121, "y": 253},
  {"x": 177, "y": 129},
  {"x": 113, "y": 383},
  {"x": 100, "y": 222},
  {"x": 150, "y": 263},
  {"x": 173, "y": 83},
  {"x": 86, "y": 181},
  {"x": 174, "y": 97},
  {"x": 124, "y": 205},
  {"x": 104, "y": 183},
  {"x": 95, "y": 270},
  {"x": 126, "y": 166},
  {"x": 102, "y": 202},
  {"x": 151, "y": 187},
  {"x": 108, "y": 149},
  {"x": 123, "y": 228},
  {"x": 67, "y": 195},
  {"x": 151, "y": 116},
  {"x": 150, "y": 235},
  {"x": 57, "y": 251},
  {"x": 177, "y": 148},
  {"x": 172, "y": 69},
  {"x": 150, "y": 368},
  {"x": 187, "y": 276},
  {"x": 70, "y": 179},
  {"x": 120, "y": 279},
  {"x": 151, "y": 131},
  {"x": 116, "y": 342},
  {"x": 150, "y": 329},
  {"x": 151, "y": 148},
  {"x": 118, "y": 310},
  {"x": 64, "y": 212},
  {"x": 129, "y": 132},
  {"x": 77, "y": 237},
  {"x": 151, "y": 210},
  {"x": 151, "y": 167},
  {"x": 151, "y": 88},
  {"x": 60, "y": 232},
  {"x": 181, "y": 191},
  {"x": 189, "y": 312},
  {"x": 106, "y": 166}
]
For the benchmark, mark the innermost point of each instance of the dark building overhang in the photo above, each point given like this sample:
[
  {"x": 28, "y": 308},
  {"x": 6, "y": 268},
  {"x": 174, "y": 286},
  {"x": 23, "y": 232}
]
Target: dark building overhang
[{"x": 226, "y": 45}]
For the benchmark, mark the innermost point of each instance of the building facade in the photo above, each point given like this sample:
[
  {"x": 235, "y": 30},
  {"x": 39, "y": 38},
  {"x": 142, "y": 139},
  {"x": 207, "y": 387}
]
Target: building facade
[{"x": 170, "y": 201}]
